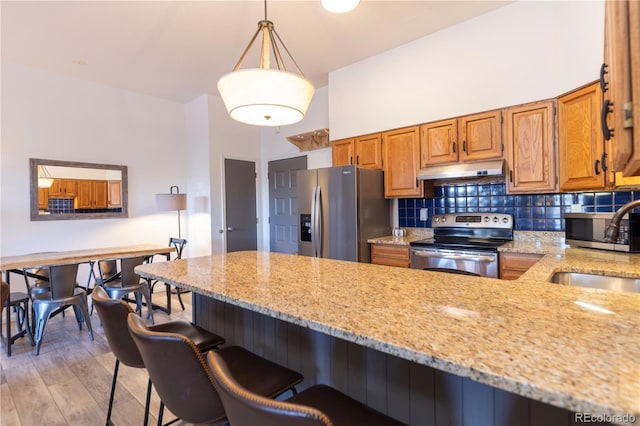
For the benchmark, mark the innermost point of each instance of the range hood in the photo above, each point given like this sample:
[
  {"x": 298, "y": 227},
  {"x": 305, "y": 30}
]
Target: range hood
[{"x": 463, "y": 170}]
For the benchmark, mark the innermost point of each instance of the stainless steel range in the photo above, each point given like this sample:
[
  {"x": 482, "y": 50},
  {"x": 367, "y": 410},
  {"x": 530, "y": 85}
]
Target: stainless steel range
[{"x": 464, "y": 243}]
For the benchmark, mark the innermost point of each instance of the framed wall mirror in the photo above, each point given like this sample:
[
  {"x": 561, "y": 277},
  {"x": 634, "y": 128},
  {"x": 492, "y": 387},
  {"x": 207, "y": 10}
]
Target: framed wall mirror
[{"x": 64, "y": 190}]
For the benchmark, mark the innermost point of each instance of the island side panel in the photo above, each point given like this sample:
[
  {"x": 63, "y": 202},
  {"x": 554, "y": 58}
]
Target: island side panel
[{"x": 410, "y": 392}]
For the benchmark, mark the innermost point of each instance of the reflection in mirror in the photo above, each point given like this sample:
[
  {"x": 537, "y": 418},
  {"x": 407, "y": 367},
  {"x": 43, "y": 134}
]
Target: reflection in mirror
[{"x": 70, "y": 190}]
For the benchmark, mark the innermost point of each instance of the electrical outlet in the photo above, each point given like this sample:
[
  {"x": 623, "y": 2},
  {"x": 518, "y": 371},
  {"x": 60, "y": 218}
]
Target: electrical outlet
[{"x": 424, "y": 214}]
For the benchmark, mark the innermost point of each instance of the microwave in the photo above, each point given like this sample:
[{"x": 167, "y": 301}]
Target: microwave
[{"x": 587, "y": 230}]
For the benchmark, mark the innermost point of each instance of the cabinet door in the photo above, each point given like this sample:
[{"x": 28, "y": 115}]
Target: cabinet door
[
  {"x": 84, "y": 194},
  {"x": 390, "y": 255},
  {"x": 369, "y": 151},
  {"x": 114, "y": 194},
  {"x": 438, "y": 143},
  {"x": 531, "y": 150},
  {"x": 56, "y": 188},
  {"x": 43, "y": 198},
  {"x": 401, "y": 163},
  {"x": 481, "y": 136},
  {"x": 616, "y": 81},
  {"x": 342, "y": 152},
  {"x": 580, "y": 144},
  {"x": 70, "y": 187},
  {"x": 99, "y": 194}
]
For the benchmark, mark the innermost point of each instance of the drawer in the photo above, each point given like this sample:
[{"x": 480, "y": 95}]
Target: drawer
[{"x": 390, "y": 255}]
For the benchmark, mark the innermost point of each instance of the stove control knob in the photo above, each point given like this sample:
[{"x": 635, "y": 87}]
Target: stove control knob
[
  {"x": 436, "y": 219},
  {"x": 495, "y": 219},
  {"x": 444, "y": 219},
  {"x": 505, "y": 220},
  {"x": 486, "y": 219}
]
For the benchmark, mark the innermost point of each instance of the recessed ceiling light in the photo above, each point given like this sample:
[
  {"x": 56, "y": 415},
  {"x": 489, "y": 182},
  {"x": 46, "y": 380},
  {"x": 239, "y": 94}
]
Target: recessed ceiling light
[{"x": 340, "y": 6}]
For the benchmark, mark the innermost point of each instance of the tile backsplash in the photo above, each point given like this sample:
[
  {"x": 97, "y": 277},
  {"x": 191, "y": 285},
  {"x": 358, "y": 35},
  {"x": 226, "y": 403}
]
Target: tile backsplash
[
  {"x": 535, "y": 212},
  {"x": 61, "y": 205}
]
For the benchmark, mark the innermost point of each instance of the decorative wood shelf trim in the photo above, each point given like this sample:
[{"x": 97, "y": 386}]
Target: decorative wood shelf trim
[{"x": 309, "y": 141}]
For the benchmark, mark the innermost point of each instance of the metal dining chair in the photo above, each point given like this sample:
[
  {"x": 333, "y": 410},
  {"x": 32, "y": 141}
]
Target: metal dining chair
[
  {"x": 119, "y": 284},
  {"x": 61, "y": 293},
  {"x": 178, "y": 244}
]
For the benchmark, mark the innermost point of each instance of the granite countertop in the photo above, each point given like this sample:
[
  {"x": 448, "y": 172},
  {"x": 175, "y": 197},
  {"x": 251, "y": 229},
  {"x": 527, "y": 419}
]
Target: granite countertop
[{"x": 526, "y": 336}]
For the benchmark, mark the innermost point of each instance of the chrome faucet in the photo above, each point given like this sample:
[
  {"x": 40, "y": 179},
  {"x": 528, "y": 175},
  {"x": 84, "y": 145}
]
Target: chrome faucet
[{"x": 611, "y": 233}]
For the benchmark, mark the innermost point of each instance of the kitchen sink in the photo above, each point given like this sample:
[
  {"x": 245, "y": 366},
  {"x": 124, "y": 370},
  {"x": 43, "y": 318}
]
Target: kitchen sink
[{"x": 606, "y": 282}]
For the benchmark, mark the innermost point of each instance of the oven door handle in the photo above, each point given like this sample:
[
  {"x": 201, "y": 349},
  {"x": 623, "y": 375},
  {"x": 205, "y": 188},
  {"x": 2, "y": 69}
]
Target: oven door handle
[{"x": 471, "y": 257}]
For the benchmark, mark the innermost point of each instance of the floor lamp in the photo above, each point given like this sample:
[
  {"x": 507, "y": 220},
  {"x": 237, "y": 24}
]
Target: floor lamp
[{"x": 172, "y": 201}]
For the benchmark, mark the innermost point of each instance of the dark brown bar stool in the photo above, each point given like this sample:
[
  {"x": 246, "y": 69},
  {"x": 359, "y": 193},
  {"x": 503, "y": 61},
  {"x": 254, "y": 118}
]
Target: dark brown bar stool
[
  {"x": 113, "y": 315},
  {"x": 318, "y": 405},
  {"x": 181, "y": 376}
]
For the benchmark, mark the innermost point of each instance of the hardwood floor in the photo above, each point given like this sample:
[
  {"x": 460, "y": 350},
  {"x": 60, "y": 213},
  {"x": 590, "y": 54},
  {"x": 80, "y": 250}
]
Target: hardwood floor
[{"x": 69, "y": 382}]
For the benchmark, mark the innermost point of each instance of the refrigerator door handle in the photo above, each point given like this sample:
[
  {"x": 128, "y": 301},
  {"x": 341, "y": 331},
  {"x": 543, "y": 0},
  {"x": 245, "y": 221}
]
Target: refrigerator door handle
[
  {"x": 319, "y": 219},
  {"x": 313, "y": 222}
]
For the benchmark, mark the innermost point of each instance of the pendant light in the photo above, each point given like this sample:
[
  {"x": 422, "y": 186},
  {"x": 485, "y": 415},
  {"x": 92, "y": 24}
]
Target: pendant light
[
  {"x": 266, "y": 96},
  {"x": 339, "y": 6}
]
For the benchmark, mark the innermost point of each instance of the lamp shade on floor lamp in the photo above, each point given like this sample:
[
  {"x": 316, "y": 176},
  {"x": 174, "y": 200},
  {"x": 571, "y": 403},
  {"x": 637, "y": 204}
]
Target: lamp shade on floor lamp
[{"x": 173, "y": 201}]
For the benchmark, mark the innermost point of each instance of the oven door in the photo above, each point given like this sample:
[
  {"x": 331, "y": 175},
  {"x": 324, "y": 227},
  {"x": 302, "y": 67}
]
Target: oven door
[{"x": 468, "y": 262}]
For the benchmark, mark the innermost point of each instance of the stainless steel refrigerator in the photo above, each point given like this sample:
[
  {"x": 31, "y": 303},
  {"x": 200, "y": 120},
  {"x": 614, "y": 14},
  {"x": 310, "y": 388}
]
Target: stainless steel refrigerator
[{"x": 339, "y": 209}]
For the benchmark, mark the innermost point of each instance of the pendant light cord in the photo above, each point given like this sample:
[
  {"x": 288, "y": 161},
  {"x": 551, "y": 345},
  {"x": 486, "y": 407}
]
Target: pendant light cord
[{"x": 265, "y": 10}]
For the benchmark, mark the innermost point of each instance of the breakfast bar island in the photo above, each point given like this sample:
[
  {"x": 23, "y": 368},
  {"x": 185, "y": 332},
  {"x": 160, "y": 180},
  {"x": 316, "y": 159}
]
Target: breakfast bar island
[{"x": 428, "y": 347}]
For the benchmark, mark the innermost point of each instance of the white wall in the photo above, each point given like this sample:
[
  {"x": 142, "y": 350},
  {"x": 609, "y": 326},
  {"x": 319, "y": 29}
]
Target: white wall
[
  {"x": 526, "y": 51},
  {"x": 198, "y": 171},
  {"x": 53, "y": 117},
  {"x": 229, "y": 139}
]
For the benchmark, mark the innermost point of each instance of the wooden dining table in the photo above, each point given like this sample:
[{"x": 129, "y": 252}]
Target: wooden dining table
[{"x": 22, "y": 263}]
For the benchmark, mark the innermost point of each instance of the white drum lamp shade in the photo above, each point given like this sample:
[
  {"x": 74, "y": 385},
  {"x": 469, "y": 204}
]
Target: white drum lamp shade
[
  {"x": 265, "y": 97},
  {"x": 339, "y": 6},
  {"x": 173, "y": 201}
]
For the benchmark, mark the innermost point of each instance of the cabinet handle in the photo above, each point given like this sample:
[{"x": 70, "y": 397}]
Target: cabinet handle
[
  {"x": 603, "y": 161},
  {"x": 607, "y": 133},
  {"x": 597, "y": 166},
  {"x": 603, "y": 84},
  {"x": 453, "y": 146},
  {"x": 350, "y": 160},
  {"x": 511, "y": 176},
  {"x": 357, "y": 159},
  {"x": 464, "y": 146}
]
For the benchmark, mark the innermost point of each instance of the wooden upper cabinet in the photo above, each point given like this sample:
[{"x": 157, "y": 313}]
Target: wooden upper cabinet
[
  {"x": 369, "y": 151},
  {"x": 63, "y": 188},
  {"x": 43, "y": 198},
  {"x": 99, "y": 195},
  {"x": 620, "y": 82},
  {"x": 92, "y": 194},
  {"x": 114, "y": 193},
  {"x": 530, "y": 141},
  {"x": 469, "y": 138},
  {"x": 401, "y": 153},
  {"x": 480, "y": 136},
  {"x": 84, "y": 194},
  {"x": 580, "y": 144},
  {"x": 364, "y": 151},
  {"x": 438, "y": 143},
  {"x": 342, "y": 152}
]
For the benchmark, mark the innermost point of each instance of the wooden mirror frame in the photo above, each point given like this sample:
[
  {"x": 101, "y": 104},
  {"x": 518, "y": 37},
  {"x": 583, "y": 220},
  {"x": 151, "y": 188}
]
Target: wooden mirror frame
[{"x": 34, "y": 163}]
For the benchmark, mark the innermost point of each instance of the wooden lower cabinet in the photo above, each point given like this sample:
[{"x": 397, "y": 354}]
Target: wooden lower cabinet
[
  {"x": 513, "y": 265},
  {"x": 390, "y": 255}
]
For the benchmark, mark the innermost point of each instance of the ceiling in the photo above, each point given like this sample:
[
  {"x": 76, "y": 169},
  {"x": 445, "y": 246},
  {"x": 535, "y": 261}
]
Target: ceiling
[{"x": 178, "y": 50}]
